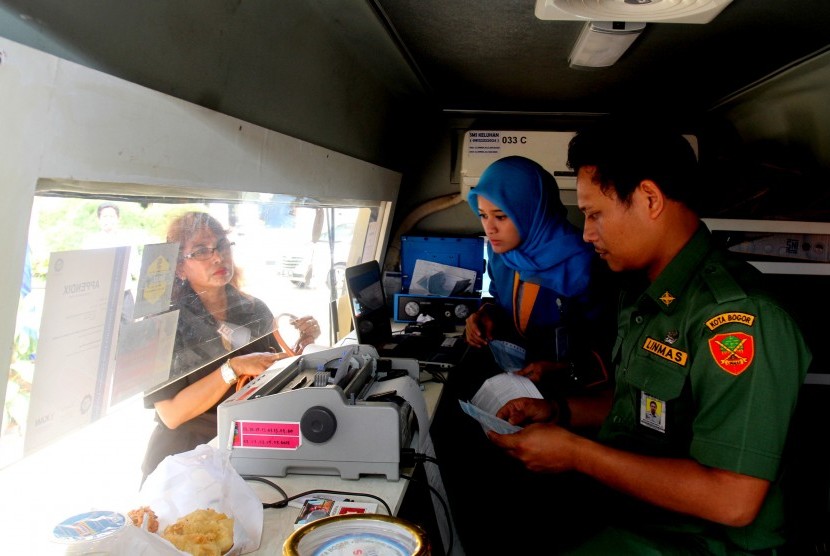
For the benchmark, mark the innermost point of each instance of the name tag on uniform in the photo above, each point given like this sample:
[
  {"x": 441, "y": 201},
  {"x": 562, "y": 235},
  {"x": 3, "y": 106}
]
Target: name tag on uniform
[
  {"x": 666, "y": 351},
  {"x": 652, "y": 412}
]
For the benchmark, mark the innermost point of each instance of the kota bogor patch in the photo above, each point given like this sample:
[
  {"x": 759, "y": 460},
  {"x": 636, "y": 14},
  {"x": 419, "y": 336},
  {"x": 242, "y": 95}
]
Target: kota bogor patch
[
  {"x": 733, "y": 351},
  {"x": 666, "y": 351},
  {"x": 728, "y": 318}
]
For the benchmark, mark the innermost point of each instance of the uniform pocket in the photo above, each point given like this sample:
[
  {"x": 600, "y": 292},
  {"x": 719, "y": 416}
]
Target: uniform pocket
[{"x": 656, "y": 376}]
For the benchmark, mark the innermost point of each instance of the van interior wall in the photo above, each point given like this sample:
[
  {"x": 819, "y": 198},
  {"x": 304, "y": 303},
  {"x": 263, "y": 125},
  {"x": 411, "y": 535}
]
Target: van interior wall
[
  {"x": 765, "y": 153},
  {"x": 768, "y": 148},
  {"x": 439, "y": 172},
  {"x": 341, "y": 87}
]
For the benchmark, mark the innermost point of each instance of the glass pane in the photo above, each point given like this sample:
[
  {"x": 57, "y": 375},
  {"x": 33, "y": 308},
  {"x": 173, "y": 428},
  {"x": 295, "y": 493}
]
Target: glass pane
[{"x": 289, "y": 253}]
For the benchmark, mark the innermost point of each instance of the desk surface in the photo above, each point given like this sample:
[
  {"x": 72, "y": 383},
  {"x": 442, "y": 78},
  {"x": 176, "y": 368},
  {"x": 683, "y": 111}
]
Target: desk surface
[{"x": 279, "y": 523}]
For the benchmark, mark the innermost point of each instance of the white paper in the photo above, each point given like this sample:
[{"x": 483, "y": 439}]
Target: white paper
[
  {"x": 501, "y": 388},
  {"x": 76, "y": 347},
  {"x": 430, "y": 278}
]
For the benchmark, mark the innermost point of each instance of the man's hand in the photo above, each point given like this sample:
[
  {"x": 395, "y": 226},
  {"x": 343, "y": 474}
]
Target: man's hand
[
  {"x": 526, "y": 410},
  {"x": 678, "y": 484},
  {"x": 540, "y": 447},
  {"x": 534, "y": 371}
]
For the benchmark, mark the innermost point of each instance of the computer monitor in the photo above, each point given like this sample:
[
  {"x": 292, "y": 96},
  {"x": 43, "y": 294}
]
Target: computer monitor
[{"x": 368, "y": 303}]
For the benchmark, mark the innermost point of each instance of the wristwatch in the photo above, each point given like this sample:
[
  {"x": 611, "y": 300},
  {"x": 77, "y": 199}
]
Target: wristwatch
[{"x": 228, "y": 374}]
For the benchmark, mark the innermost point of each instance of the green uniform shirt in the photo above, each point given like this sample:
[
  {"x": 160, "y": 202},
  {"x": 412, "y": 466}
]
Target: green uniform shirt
[{"x": 709, "y": 368}]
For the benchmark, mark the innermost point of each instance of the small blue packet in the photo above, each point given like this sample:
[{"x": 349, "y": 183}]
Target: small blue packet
[{"x": 509, "y": 357}]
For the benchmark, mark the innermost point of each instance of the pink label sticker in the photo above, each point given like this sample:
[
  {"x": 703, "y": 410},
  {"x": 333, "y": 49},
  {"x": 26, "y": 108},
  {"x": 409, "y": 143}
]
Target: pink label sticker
[{"x": 266, "y": 434}]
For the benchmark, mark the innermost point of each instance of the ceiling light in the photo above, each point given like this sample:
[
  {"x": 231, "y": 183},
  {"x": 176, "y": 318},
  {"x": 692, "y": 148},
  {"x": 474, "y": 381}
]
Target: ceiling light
[{"x": 601, "y": 43}]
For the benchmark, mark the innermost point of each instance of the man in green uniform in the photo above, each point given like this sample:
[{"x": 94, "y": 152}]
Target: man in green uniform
[{"x": 708, "y": 367}]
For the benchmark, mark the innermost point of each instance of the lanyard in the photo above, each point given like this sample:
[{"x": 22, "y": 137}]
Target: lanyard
[{"x": 523, "y": 308}]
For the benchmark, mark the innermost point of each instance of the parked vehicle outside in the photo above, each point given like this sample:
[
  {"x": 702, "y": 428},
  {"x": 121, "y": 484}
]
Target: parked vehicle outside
[{"x": 308, "y": 263}]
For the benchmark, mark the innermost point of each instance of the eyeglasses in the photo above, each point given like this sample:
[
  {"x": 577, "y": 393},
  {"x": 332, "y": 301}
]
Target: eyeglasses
[{"x": 205, "y": 253}]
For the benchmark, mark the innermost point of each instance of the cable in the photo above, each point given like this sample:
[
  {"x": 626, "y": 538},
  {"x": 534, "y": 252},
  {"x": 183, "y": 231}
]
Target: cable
[
  {"x": 286, "y": 499},
  {"x": 443, "y": 505},
  {"x": 283, "y": 502},
  {"x": 436, "y": 375},
  {"x": 424, "y": 457},
  {"x": 418, "y": 457},
  {"x": 409, "y": 457}
]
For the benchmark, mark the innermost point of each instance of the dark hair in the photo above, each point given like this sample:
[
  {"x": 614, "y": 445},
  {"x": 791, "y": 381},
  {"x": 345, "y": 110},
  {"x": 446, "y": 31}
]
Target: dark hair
[
  {"x": 626, "y": 151},
  {"x": 104, "y": 206},
  {"x": 187, "y": 225}
]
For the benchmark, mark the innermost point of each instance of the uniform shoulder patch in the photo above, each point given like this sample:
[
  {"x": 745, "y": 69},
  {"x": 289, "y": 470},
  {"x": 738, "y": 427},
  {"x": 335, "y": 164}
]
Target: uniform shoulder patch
[
  {"x": 733, "y": 351},
  {"x": 728, "y": 318}
]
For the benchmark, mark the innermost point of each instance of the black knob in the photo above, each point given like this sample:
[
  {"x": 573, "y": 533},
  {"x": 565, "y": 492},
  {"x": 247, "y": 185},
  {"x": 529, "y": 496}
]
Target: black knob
[{"x": 318, "y": 424}]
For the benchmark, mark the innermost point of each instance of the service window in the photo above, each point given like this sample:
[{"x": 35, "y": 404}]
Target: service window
[{"x": 96, "y": 326}]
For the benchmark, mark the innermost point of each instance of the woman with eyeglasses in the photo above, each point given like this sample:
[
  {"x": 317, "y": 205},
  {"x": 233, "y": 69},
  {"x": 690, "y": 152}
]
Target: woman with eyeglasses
[{"x": 215, "y": 318}]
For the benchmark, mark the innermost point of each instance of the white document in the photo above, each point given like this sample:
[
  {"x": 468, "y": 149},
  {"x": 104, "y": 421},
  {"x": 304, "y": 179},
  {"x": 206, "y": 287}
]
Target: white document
[
  {"x": 429, "y": 278},
  {"x": 500, "y": 389},
  {"x": 76, "y": 346}
]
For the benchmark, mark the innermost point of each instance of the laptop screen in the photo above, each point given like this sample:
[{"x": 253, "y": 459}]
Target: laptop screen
[{"x": 368, "y": 304}]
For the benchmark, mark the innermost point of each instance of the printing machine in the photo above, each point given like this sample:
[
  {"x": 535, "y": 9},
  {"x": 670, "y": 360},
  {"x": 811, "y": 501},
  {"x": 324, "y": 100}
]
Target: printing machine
[{"x": 334, "y": 412}]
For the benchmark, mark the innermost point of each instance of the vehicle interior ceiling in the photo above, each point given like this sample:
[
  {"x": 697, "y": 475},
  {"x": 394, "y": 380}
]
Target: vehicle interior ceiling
[
  {"x": 397, "y": 82},
  {"x": 393, "y": 82}
]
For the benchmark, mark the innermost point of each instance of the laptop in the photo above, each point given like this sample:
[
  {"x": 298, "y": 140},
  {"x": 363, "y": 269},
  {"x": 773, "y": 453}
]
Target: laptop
[{"x": 372, "y": 324}]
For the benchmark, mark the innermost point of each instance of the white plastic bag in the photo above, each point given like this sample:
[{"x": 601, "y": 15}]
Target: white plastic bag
[{"x": 199, "y": 479}]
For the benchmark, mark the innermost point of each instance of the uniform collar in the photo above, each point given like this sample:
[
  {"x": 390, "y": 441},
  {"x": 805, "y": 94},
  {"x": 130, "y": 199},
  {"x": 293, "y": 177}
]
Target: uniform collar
[{"x": 669, "y": 288}]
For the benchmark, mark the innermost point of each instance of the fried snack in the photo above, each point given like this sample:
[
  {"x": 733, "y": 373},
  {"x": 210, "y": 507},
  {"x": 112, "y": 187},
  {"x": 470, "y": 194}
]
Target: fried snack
[
  {"x": 202, "y": 533},
  {"x": 137, "y": 517}
]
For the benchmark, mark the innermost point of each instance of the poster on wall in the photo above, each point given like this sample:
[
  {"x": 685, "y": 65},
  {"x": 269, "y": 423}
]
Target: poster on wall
[{"x": 76, "y": 348}]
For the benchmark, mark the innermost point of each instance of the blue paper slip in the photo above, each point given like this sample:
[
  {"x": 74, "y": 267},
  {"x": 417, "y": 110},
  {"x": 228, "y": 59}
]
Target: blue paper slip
[
  {"x": 509, "y": 357},
  {"x": 487, "y": 421}
]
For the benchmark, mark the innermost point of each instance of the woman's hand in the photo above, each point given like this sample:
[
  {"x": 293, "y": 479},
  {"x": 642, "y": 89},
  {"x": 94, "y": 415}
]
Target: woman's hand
[
  {"x": 479, "y": 328},
  {"x": 206, "y": 392},
  {"x": 254, "y": 364},
  {"x": 309, "y": 330}
]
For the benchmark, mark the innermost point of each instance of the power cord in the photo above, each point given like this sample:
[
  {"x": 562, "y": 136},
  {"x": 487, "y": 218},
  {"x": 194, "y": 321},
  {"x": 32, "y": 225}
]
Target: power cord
[
  {"x": 286, "y": 499},
  {"x": 409, "y": 457},
  {"x": 439, "y": 497},
  {"x": 407, "y": 454}
]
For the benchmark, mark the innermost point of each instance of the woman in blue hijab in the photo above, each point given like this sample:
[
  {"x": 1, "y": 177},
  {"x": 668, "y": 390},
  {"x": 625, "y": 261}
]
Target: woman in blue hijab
[
  {"x": 542, "y": 287},
  {"x": 539, "y": 267}
]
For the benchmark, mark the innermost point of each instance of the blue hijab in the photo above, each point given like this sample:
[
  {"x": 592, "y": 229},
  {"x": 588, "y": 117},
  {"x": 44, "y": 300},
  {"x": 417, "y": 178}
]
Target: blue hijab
[{"x": 552, "y": 252}]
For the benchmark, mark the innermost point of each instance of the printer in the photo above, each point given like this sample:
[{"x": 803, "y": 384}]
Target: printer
[{"x": 334, "y": 412}]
